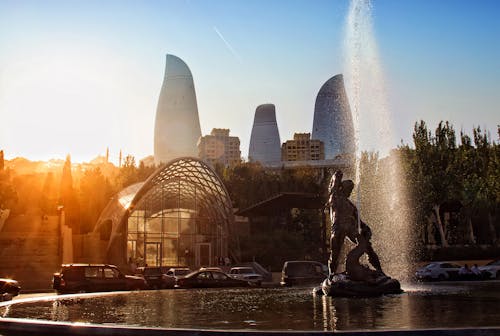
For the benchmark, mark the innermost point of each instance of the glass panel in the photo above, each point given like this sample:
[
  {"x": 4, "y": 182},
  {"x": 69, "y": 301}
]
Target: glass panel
[
  {"x": 219, "y": 276},
  {"x": 170, "y": 255},
  {"x": 170, "y": 224},
  {"x": 153, "y": 225},
  {"x": 131, "y": 247},
  {"x": 93, "y": 272},
  {"x": 204, "y": 254},
  {"x": 152, "y": 254},
  {"x": 188, "y": 226},
  {"x": 110, "y": 273}
]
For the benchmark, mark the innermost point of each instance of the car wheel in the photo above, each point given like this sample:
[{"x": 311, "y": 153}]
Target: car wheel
[
  {"x": 498, "y": 275},
  {"x": 441, "y": 277},
  {"x": 259, "y": 283}
]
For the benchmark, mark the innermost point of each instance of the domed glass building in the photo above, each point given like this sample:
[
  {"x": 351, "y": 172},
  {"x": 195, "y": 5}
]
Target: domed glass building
[{"x": 180, "y": 216}]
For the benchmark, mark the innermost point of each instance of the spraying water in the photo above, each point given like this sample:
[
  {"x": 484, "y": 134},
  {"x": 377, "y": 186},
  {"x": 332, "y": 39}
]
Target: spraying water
[{"x": 382, "y": 200}]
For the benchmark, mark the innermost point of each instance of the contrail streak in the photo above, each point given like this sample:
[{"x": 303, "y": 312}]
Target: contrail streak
[{"x": 235, "y": 54}]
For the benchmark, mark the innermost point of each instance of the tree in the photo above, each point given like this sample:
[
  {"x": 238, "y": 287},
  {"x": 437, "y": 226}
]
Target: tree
[
  {"x": 68, "y": 198},
  {"x": 487, "y": 195},
  {"x": 95, "y": 192},
  {"x": 434, "y": 168},
  {"x": 8, "y": 194},
  {"x": 128, "y": 173}
]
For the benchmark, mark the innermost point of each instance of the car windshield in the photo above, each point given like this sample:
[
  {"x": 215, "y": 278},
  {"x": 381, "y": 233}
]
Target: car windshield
[
  {"x": 182, "y": 272},
  {"x": 245, "y": 271},
  {"x": 301, "y": 269},
  {"x": 191, "y": 274},
  {"x": 431, "y": 265},
  {"x": 494, "y": 263}
]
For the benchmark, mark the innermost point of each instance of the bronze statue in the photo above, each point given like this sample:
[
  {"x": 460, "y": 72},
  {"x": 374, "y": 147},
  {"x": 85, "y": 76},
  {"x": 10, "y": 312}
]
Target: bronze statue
[
  {"x": 355, "y": 270},
  {"x": 358, "y": 280},
  {"x": 344, "y": 219}
]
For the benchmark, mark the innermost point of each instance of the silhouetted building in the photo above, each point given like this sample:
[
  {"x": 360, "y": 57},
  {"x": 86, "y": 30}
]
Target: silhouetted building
[
  {"x": 302, "y": 148},
  {"x": 219, "y": 147},
  {"x": 265, "y": 143},
  {"x": 181, "y": 215},
  {"x": 333, "y": 120},
  {"x": 177, "y": 125}
]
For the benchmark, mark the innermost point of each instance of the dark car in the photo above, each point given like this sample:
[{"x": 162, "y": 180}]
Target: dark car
[
  {"x": 178, "y": 271},
  {"x": 208, "y": 279},
  {"x": 81, "y": 278},
  {"x": 303, "y": 273},
  {"x": 8, "y": 289},
  {"x": 155, "y": 277}
]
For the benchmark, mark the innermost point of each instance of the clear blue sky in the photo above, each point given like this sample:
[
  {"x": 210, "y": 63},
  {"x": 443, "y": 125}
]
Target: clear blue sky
[{"x": 79, "y": 76}]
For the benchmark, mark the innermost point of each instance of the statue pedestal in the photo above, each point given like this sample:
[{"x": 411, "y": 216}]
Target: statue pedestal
[{"x": 339, "y": 285}]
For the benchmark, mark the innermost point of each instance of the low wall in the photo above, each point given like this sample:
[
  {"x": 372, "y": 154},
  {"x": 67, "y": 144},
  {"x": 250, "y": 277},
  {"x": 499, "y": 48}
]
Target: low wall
[{"x": 9, "y": 326}]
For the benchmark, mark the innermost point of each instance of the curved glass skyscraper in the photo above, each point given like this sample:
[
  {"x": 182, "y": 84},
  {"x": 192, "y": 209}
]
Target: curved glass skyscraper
[
  {"x": 332, "y": 122},
  {"x": 177, "y": 125},
  {"x": 265, "y": 143}
]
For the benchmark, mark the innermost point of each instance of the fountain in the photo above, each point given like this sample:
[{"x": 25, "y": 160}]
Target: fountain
[{"x": 383, "y": 204}]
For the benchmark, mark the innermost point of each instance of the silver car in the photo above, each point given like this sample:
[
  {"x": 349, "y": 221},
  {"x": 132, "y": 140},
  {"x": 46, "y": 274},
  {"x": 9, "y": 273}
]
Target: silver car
[
  {"x": 438, "y": 271},
  {"x": 247, "y": 274},
  {"x": 491, "y": 270}
]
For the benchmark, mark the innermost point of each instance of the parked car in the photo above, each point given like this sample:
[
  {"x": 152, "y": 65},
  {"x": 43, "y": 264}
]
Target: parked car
[
  {"x": 247, "y": 274},
  {"x": 155, "y": 277},
  {"x": 8, "y": 289},
  {"x": 218, "y": 269},
  {"x": 178, "y": 271},
  {"x": 303, "y": 273},
  {"x": 207, "y": 279},
  {"x": 81, "y": 278},
  {"x": 491, "y": 270},
  {"x": 438, "y": 271}
]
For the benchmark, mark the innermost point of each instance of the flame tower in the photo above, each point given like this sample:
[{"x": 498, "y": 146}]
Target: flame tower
[
  {"x": 265, "y": 143},
  {"x": 177, "y": 125},
  {"x": 332, "y": 122}
]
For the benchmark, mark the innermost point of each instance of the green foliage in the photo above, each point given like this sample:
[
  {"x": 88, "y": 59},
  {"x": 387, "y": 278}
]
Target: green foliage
[
  {"x": 272, "y": 242},
  {"x": 440, "y": 172},
  {"x": 95, "y": 192},
  {"x": 68, "y": 198},
  {"x": 8, "y": 193},
  {"x": 128, "y": 173},
  {"x": 249, "y": 183}
]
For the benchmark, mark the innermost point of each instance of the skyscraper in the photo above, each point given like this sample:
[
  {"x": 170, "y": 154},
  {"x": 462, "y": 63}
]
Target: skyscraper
[
  {"x": 177, "y": 125},
  {"x": 332, "y": 122},
  {"x": 265, "y": 143}
]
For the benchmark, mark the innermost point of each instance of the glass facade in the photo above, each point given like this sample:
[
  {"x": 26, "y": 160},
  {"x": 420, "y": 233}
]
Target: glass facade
[
  {"x": 333, "y": 122},
  {"x": 181, "y": 216}
]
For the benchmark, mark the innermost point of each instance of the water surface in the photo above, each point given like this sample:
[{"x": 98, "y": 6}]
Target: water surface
[{"x": 442, "y": 305}]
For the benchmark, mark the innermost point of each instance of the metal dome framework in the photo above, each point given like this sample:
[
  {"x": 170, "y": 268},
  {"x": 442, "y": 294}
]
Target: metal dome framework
[{"x": 181, "y": 215}]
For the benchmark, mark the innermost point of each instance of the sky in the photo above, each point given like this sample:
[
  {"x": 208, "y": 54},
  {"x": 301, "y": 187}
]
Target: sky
[{"x": 77, "y": 77}]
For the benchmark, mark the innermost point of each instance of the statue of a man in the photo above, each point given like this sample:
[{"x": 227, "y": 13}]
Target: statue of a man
[{"x": 344, "y": 219}]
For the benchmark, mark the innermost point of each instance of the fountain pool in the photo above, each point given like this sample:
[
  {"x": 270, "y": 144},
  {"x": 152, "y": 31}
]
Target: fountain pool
[{"x": 444, "y": 305}]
